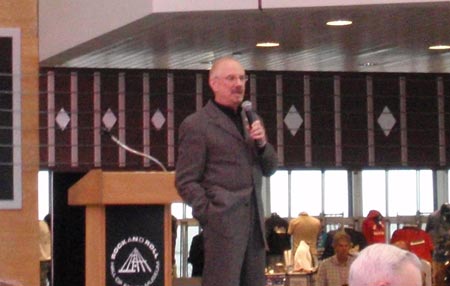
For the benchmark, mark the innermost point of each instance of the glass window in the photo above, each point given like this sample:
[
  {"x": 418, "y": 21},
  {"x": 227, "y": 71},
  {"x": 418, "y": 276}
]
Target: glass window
[
  {"x": 192, "y": 231},
  {"x": 392, "y": 227},
  {"x": 426, "y": 197},
  {"x": 336, "y": 192},
  {"x": 448, "y": 184},
  {"x": 43, "y": 193},
  {"x": 374, "y": 191},
  {"x": 402, "y": 192},
  {"x": 181, "y": 210},
  {"x": 177, "y": 252},
  {"x": 177, "y": 210},
  {"x": 182, "y": 247},
  {"x": 306, "y": 192},
  {"x": 279, "y": 196},
  {"x": 407, "y": 191}
]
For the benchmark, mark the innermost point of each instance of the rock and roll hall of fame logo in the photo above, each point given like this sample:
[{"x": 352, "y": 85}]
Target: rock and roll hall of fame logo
[{"x": 135, "y": 261}]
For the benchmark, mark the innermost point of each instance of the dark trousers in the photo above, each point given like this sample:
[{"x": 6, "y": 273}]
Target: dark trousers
[{"x": 238, "y": 260}]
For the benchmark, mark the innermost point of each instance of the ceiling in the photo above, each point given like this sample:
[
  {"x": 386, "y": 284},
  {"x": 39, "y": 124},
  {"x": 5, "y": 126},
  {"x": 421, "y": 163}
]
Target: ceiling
[{"x": 383, "y": 38}]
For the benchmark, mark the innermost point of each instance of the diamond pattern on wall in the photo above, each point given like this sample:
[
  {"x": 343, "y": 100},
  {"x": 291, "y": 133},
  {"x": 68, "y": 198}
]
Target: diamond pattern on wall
[
  {"x": 109, "y": 119},
  {"x": 158, "y": 119},
  {"x": 386, "y": 121},
  {"x": 62, "y": 119},
  {"x": 293, "y": 120}
]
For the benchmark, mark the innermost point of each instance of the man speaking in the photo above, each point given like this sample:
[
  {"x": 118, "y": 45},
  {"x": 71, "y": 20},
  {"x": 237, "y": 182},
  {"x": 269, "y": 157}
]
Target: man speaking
[{"x": 222, "y": 157}]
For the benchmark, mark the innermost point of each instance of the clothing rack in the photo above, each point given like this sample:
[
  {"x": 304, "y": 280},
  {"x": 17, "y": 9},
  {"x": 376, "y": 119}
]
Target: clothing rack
[
  {"x": 419, "y": 220},
  {"x": 332, "y": 221}
]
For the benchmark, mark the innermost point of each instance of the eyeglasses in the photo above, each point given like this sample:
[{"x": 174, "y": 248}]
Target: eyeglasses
[{"x": 233, "y": 78}]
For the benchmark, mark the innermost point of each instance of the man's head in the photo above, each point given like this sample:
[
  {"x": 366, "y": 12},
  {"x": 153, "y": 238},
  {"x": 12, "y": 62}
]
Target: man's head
[
  {"x": 342, "y": 244},
  {"x": 385, "y": 265},
  {"x": 227, "y": 80}
]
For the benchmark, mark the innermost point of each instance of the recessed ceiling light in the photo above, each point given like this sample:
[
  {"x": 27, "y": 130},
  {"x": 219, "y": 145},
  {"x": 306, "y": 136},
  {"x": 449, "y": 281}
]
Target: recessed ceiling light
[
  {"x": 440, "y": 47},
  {"x": 339, "y": 23},
  {"x": 268, "y": 44},
  {"x": 368, "y": 64}
]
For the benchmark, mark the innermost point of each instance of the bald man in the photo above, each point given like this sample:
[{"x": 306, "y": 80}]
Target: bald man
[
  {"x": 221, "y": 161},
  {"x": 385, "y": 265}
]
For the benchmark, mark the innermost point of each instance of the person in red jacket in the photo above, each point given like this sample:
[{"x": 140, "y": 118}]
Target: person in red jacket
[{"x": 373, "y": 228}]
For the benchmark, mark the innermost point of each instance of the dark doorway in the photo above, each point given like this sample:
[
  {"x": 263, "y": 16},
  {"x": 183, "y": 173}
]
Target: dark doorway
[{"x": 68, "y": 233}]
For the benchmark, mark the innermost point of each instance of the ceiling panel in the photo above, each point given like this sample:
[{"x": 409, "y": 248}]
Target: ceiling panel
[{"x": 383, "y": 38}]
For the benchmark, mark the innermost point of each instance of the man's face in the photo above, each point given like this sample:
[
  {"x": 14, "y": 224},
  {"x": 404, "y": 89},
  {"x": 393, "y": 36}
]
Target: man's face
[
  {"x": 228, "y": 84},
  {"x": 341, "y": 248}
]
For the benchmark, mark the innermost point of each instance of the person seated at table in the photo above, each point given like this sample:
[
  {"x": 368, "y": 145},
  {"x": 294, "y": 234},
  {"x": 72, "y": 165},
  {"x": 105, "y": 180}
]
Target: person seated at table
[{"x": 334, "y": 270}]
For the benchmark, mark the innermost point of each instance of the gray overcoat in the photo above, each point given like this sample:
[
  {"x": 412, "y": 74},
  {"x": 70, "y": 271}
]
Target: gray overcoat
[{"x": 217, "y": 172}]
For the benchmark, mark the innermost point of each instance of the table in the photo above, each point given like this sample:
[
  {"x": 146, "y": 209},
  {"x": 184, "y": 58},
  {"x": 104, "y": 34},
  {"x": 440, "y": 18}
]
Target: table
[{"x": 290, "y": 279}]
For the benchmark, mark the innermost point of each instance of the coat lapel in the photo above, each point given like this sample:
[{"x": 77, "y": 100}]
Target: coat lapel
[{"x": 222, "y": 121}]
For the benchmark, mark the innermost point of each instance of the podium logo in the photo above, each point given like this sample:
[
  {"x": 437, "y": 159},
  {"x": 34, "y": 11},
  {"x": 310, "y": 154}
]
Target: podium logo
[{"x": 135, "y": 261}]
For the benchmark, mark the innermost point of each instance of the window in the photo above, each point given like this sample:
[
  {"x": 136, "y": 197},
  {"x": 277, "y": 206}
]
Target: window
[
  {"x": 186, "y": 229},
  {"x": 426, "y": 191},
  {"x": 374, "y": 191},
  {"x": 448, "y": 185},
  {"x": 43, "y": 194},
  {"x": 279, "y": 196},
  {"x": 336, "y": 192},
  {"x": 181, "y": 210},
  {"x": 407, "y": 191},
  {"x": 401, "y": 192},
  {"x": 306, "y": 192}
]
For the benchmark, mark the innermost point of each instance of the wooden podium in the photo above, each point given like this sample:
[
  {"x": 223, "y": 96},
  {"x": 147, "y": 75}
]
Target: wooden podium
[{"x": 128, "y": 226}]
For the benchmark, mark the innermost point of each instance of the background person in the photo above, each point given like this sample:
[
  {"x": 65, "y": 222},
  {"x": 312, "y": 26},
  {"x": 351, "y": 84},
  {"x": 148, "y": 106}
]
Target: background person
[
  {"x": 45, "y": 251},
  {"x": 426, "y": 265},
  {"x": 438, "y": 227},
  {"x": 197, "y": 255},
  {"x": 383, "y": 264},
  {"x": 220, "y": 164},
  {"x": 334, "y": 270},
  {"x": 358, "y": 241}
]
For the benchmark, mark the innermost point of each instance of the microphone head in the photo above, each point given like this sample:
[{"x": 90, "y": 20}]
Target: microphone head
[{"x": 246, "y": 105}]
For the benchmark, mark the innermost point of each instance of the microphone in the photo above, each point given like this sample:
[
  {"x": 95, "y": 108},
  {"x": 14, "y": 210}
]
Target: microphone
[
  {"x": 247, "y": 107},
  {"x": 105, "y": 131}
]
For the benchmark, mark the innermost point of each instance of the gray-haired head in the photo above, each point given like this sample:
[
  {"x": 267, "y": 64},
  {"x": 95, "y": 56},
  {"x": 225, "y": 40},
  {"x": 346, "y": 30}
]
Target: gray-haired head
[
  {"x": 385, "y": 265},
  {"x": 341, "y": 236},
  {"x": 214, "y": 71}
]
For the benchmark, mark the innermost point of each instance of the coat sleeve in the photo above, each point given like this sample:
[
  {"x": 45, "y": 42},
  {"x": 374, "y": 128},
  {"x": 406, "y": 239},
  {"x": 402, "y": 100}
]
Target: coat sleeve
[
  {"x": 190, "y": 166},
  {"x": 268, "y": 160}
]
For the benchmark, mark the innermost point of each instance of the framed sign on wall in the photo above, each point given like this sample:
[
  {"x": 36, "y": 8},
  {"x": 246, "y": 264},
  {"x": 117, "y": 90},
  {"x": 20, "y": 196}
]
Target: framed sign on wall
[{"x": 10, "y": 119}]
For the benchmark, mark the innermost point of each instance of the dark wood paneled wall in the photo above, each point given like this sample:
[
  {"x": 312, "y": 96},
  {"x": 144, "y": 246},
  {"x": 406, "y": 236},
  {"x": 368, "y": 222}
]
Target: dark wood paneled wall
[{"x": 340, "y": 117}]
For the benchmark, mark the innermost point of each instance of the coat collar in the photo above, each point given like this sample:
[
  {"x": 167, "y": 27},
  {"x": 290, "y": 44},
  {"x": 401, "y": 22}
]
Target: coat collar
[{"x": 221, "y": 120}]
